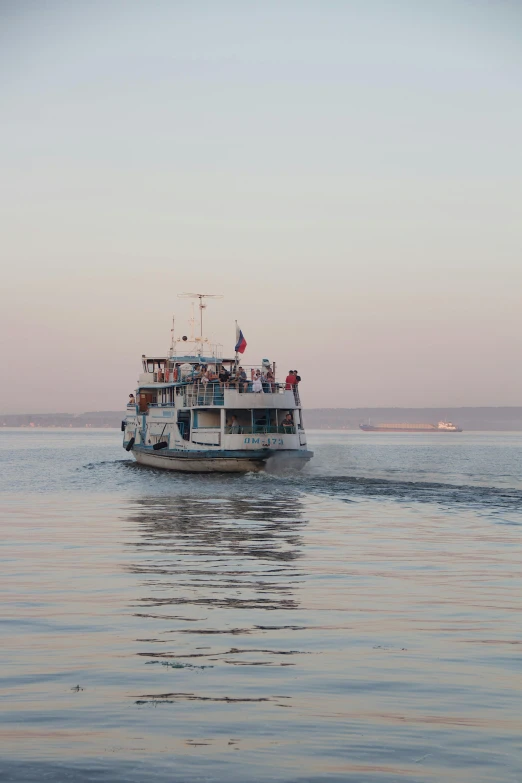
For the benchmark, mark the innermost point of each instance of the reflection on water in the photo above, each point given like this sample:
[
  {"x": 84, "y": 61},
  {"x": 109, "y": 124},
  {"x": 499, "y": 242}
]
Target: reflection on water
[
  {"x": 253, "y": 560},
  {"x": 217, "y": 565},
  {"x": 222, "y": 528}
]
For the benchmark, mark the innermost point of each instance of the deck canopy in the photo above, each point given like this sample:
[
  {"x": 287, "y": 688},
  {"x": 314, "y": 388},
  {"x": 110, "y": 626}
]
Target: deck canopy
[
  {"x": 151, "y": 364},
  {"x": 189, "y": 359},
  {"x": 200, "y": 360},
  {"x": 156, "y": 386}
]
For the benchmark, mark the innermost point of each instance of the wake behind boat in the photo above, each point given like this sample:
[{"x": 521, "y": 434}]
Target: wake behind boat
[{"x": 196, "y": 410}]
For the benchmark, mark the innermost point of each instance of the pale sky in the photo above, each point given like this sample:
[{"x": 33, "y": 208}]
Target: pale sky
[{"x": 348, "y": 174}]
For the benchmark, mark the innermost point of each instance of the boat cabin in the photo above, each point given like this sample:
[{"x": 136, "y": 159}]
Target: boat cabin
[{"x": 207, "y": 397}]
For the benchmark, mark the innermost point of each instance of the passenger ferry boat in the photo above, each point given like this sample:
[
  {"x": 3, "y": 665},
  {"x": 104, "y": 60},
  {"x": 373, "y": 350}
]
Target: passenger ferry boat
[{"x": 186, "y": 418}]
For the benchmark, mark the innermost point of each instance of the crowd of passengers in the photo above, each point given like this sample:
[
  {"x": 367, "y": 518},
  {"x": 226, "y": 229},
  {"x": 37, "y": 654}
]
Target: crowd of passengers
[
  {"x": 260, "y": 380},
  {"x": 203, "y": 374}
]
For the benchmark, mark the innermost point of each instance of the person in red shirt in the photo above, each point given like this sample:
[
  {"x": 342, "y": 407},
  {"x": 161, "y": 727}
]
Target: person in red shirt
[{"x": 291, "y": 380}]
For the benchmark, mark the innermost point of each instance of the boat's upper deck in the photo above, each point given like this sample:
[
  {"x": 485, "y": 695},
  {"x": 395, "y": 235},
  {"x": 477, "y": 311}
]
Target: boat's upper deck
[{"x": 199, "y": 381}]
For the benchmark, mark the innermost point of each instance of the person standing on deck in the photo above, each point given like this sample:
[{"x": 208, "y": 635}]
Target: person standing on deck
[
  {"x": 242, "y": 379},
  {"x": 257, "y": 384},
  {"x": 291, "y": 380},
  {"x": 270, "y": 379},
  {"x": 296, "y": 387}
]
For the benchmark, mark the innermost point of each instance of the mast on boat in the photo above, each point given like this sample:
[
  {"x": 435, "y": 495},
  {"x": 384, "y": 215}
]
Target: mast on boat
[{"x": 202, "y": 305}]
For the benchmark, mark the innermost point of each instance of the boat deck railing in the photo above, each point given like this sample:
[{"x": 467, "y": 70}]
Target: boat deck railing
[
  {"x": 213, "y": 393},
  {"x": 210, "y": 394},
  {"x": 259, "y": 429}
]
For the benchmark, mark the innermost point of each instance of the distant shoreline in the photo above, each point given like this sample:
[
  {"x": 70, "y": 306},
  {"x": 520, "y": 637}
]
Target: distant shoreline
[
  {"x": 479, "y": 419},
  {"x": 309, "y": 430}
]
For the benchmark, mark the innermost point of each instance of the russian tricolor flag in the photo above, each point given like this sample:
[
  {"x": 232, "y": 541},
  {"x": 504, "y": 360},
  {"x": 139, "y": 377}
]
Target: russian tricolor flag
[{"x": 241, "y": 343}]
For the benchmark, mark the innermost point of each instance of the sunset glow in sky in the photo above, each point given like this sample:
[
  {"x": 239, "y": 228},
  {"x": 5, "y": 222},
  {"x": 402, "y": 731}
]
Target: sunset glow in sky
[{"x": 347, "y": 174}]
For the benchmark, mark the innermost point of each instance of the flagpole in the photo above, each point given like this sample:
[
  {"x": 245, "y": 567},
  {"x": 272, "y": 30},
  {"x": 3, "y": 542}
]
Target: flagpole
[{"x": 236, "y": 351}]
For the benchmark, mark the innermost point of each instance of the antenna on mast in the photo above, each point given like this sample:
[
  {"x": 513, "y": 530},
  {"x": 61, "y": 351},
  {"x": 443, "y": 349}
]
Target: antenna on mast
[
  {"x": 172, "y": 338},
  {"x": 202, "y": 305},
  {"x": 192, "y": 321}
]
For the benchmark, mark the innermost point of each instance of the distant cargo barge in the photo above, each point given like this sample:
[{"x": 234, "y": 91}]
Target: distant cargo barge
[{"x": 442, "y": 426}]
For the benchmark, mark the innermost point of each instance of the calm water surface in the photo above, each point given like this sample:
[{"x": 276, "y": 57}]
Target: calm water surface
[{"x": 357, "y": 622}]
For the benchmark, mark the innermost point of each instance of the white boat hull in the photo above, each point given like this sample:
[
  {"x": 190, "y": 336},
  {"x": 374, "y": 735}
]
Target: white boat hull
[
  {"x": 195, "y": 465},
  {"x": 191, "y": 463}
]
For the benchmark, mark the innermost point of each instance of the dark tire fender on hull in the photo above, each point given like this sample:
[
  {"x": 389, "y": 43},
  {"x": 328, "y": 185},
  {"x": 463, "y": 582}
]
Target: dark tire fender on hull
[{"x": 163, "y": 444}]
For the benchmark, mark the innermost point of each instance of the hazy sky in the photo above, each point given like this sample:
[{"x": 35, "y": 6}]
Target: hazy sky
[{"x": 348, "y": 174}]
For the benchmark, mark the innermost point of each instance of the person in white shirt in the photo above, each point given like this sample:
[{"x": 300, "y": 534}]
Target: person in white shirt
[{"x": 257, "y": 383}]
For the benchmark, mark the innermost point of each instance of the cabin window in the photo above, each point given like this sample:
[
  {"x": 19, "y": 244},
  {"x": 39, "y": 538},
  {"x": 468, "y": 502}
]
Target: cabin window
[
  {"x": 281, "y": 418},
  {"x": 207, "y": 419},
  {"x": 241, "y": 424},
  {"x": 165, "y": 397},
  {"x": 258, "y": 421},
  {"x": 264, "y": 421}
]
